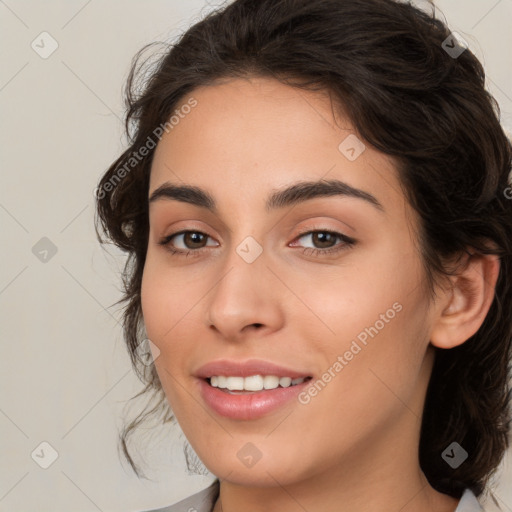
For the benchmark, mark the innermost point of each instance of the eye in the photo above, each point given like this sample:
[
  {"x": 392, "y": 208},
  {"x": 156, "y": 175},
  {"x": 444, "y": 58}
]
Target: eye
[
  {"x": 192, "y": 240},
  {"x": 327, "y": 241}
]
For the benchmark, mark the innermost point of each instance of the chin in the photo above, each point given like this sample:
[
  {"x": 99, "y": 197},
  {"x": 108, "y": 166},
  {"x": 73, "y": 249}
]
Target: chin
[{"x": 256, "y": 473}]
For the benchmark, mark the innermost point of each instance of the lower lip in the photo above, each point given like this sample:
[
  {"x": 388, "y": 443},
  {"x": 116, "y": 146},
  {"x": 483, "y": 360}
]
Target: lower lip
[{"x": 248, "y": 406}]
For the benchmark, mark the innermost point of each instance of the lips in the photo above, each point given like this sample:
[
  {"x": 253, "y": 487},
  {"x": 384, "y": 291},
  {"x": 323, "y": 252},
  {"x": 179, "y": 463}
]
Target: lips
[{"x": 248, "y": 405}]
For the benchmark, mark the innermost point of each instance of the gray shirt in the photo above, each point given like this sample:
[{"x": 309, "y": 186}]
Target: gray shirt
[{"x": 204, "y": 501}]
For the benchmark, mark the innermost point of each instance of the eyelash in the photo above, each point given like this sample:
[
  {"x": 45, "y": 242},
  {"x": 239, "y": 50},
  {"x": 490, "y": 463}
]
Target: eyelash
[{"x": 310, "y": 251}]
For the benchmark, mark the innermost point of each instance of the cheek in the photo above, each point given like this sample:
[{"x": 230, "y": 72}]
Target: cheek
[
  {"x": 368, "y": 388},
  {"x": 366, "y": 293},
  {"x": 374, "y": 317},
  {"x": 162, "y": 309},
  {"x": 153, "y": 299},
  {"x": 166, "y": 302}
]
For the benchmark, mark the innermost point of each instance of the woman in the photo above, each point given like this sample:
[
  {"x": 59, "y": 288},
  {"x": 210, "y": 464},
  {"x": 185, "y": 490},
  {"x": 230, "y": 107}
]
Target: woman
[{"x": 315, "y": 207}]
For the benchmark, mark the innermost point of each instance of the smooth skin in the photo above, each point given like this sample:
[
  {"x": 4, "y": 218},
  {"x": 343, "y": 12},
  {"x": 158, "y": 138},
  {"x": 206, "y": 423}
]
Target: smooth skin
[{"x": 354, "y": 446}]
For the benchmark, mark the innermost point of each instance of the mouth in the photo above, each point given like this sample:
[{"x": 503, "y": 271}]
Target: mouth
[
  {"x": 260, "y": 397},
  {"x": 250, "y": 389}
]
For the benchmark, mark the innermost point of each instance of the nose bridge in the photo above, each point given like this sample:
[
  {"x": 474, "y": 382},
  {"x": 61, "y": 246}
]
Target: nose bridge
[{"x": 242, "y": 295}]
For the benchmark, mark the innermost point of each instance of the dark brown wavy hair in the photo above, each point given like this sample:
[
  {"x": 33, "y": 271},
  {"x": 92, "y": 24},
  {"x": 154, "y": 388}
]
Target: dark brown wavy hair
[{"x": 388, "y": 68}]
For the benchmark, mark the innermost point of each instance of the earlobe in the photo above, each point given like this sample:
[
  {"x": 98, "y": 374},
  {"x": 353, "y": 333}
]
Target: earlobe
[{"x": 464, "y": 307}]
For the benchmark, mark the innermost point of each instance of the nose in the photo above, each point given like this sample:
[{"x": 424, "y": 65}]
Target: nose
[{"x": 247, "y": 298}]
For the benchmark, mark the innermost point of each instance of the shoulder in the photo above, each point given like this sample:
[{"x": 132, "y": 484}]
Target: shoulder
[
  {"x": 469, "y": 503},
  {"x": 203, "y": 501}
]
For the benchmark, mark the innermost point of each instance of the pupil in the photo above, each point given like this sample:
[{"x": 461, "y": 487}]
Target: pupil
[
  {"x": 321, "y": 235},
  {"x": 196, "y": 237}
]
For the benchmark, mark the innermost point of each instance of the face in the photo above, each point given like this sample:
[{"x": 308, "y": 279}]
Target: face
[{"x": 325, "y": 283}]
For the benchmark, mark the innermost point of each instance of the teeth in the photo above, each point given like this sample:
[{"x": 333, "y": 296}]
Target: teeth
[
  {"x": 253, "y": 382},
  {"x": 235, "y": 383},
  {"x": 286, "y": 381}
]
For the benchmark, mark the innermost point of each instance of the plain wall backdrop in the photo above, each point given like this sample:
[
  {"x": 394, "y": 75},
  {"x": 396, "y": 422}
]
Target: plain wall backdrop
[{"x": 64, "y": 371}]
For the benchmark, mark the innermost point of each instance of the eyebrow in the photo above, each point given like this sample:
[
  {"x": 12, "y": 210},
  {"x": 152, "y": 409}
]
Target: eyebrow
[{"x": 291, "y": 195}]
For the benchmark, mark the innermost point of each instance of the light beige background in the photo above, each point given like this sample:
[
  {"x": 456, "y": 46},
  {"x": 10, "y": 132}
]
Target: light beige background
[{"x": 64, "y": 371}]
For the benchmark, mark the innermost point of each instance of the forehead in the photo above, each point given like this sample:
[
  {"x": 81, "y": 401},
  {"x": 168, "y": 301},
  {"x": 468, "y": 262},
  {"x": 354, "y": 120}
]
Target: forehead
[{"x": 258, "y": 134}]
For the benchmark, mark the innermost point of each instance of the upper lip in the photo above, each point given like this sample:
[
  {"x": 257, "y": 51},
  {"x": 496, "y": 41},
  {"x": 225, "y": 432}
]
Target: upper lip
[{"x": 247, "y": 368}]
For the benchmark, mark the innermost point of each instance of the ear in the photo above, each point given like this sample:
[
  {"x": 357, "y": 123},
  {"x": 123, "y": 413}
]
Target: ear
[{"x": 461, "y": 309}]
